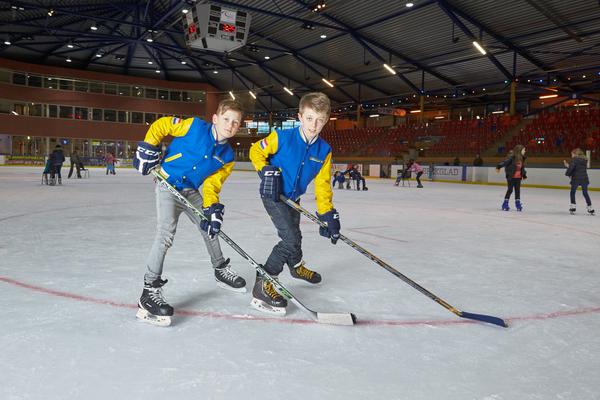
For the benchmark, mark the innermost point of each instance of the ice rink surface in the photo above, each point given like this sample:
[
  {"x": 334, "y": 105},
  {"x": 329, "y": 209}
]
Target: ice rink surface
[{"x": 72, "y": 260}]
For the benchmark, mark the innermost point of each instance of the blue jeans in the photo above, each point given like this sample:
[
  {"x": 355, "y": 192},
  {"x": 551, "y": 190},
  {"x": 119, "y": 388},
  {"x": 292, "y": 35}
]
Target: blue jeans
[{"x": 584, "y": 189}]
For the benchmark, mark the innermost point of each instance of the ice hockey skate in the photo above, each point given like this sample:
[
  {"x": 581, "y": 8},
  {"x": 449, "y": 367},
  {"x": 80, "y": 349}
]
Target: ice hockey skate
[
  {"x": 590, "y": 209},
  {"x": 572, "y": 209},
  {"x": 227, "y": 278},
  {"x": 505, "y": 206},
  {"x": 298, "y": 271},
  {"x": 518, "y": 205},
  {"x": 152, "y": 307},
  {"x": 266, "y": 298}
]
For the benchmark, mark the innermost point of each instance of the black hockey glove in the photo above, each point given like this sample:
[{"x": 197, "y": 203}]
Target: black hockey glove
[
  {"x": 214, "y": 213},
  {"x": 146, "y": 157},
  {"x": 332, "y": 230},
  {"x": 270, "y": 184}
]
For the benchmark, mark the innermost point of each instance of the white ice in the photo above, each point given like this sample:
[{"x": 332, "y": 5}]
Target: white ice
[{"x": 73, "y": 259}]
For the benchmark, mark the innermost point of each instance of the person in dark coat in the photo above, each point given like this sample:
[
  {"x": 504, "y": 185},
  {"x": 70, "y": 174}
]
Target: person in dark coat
[
  {"x": 577, "y": 171},
  {"x": 355, "y": 174},
  {"x": 57, "y": 158},
  {"x": 339, "y": 177},
  {"x": 456, "y": 161},
  {"x": 75, "y": 162},
  {"x": 514, "y": 166},
  {"x": 478, "y": 161}
]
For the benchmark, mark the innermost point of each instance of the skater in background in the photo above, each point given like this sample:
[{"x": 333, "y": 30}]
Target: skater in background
[
  {"x": 287, "y": 161},
  {"x": 75, "y": 162},
  {"x": 338, "y": 177},
  {"x": 47, "y": 170},
  {"x": 199, "y": 155},
  {"x": 355, "y": 174},
  {"x": 514, "y": 166},
  {"x": 57, "y": 158},
  {"x": 417, "y": 168},
  {"x": 577, "y": 171},
  {"x": 110, "y": 163}
]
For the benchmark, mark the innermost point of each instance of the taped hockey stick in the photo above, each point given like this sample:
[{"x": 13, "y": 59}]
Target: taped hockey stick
[
  {"x": 326, "y": 318},
  {"x": 477, "y": 317}
]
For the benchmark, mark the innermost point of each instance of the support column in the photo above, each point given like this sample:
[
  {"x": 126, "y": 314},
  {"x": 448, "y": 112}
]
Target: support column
[
  {"x": 270, "y": 123},
  {"x": 513, "y": 89},
  {"x": 422, "y": 108},
  {"x": 358, "y": 117}
]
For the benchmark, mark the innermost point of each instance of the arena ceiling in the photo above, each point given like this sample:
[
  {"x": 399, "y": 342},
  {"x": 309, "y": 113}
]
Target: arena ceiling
[{"x": 549, "y": 46}]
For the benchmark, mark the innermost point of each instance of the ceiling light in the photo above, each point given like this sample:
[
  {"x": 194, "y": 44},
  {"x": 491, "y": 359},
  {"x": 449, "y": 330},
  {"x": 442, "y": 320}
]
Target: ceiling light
[
  {"x": 7, "y": 41},
  {"x": 320, "y": 6},
  {"x": 150, "y": 61},
  {"x": 389, "y": 69},
  {"x": 582, "y": 104},
  {"x": 185, "y": 10},
  {"x": 149, "y": 39},
  {"x": 267, "y": 58},
  {"x": 327, "y": 82},
  {"x": 158, "y": 71},
  {"x": 231, "y": 94},
  {"x": 94, "y": 27},
  {"x": 479, "y": 47},
  {"x": 323, "y": 36},
  {"x": 70, "y": 44},
  {"x": 440, "y": 117},
  {"x": 50, "y": 12},
  {"x": 68, "y": 59},
  {"x": 415, "y": 111},
  {"x": 308, "y": 26},
  {"x": 409, "y": 4},
  {"x": 183, "y": 62},
  {"x": 252, "y": 94},
  {"x": 374, "y": 115},
  {"x": 98, "y": 55},
  {"x": 548, "y": 96},
  {"x": 288, "y": 90},
  {"x": 215, "y": 71}
]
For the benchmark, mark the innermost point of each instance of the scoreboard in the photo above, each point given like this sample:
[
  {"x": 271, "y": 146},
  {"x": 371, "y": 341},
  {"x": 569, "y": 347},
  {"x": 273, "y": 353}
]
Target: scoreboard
[{"x": 211, "y": 27}]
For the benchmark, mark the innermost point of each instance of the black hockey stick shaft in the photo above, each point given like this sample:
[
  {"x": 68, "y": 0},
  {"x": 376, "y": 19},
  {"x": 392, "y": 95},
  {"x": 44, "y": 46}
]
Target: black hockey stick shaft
[
  {"x": 478, "y": 317},
  {"x": 328, "y": 318}
]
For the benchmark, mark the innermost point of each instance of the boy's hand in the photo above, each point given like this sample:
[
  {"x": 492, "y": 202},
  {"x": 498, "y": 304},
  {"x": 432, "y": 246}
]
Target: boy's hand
[
  {"x": 332, "y": 220},
  {"x": 146, "y": 157},
  {"x": 270, "y": 184},
  {"x": 214, "y": 213}
]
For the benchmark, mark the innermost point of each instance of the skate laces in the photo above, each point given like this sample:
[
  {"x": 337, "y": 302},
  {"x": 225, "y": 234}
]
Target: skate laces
[
  {"x": 227, "y": 273},
  {"x": 270, "y": 289},
  {"x": 157, "y": 296},
  {"x": 304, "y": 272}
]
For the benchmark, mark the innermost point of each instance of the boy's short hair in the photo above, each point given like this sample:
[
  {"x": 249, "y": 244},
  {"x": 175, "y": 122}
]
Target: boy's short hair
[
  {"x": 229, "y": 104},
  {"x": 317, "y": 101}
]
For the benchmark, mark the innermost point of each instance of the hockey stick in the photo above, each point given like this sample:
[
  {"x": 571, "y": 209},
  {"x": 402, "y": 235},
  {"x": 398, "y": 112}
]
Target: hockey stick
[
  {"x": 478, "y": 317},
  {"x": 326, "y": 318}
]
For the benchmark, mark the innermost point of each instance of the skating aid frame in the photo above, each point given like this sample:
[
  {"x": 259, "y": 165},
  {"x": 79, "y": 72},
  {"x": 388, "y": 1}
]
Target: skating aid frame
[
  {"x": 326, "y": 318},
  {"x": 477, "y": 317}
]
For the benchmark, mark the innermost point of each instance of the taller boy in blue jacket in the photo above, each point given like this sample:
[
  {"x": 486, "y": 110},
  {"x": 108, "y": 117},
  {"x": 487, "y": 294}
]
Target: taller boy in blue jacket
[
  {"x": 287, "y": 161},
  {"x": 199, "y": 155}
]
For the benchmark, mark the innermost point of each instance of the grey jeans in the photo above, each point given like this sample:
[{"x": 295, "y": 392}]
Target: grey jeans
[{"x": 168, "y": 210}]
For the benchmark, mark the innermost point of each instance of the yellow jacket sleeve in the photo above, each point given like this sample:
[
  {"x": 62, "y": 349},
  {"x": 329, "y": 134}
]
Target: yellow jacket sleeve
[
  {"x": 212, "y": 184},
  {"x": 164, "y": 126},
  {"x": 323, "y": 187},
  {"x": 260, "y": 151}
]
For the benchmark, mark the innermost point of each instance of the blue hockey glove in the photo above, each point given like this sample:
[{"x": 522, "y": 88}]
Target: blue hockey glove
[
  {"x": 332, "y": 230},
  {"x": 270, "y": 184},
  {"x": 146, "y": 157},
  {"x": 214, "y": 213}
]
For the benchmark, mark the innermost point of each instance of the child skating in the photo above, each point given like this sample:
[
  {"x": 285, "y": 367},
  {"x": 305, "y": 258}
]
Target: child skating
[
  {"x": 577, "y": 171},
  {"x": 514, "y": 166}
]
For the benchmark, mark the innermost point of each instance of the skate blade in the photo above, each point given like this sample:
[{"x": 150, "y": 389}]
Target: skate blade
[
  {"x": 232, "y": 289},
  {"x": 264, "y": 307},
  {"x": 160, "y": 320}
]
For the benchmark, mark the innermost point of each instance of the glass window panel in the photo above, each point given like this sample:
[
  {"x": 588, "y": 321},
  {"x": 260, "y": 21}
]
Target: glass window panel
[
  {"x": 65, "y": 112},
  {"x": 137, "y": 91},
  {"x": 4, "y": 76},
  {"x": 35, "y": 110},
  {"x": 150, "y": 93},
  {"x": 96, "y": 114},
  {"x": 110, "y": 115},
  {"x": 18, "y": 78},
  {"x": 66, "y": 84},
  {"x": 34, "y": 80},
  {"x": 4, "y": 106},
  {"x": 110, "y": 88},
  {"x": 159, "y": 116},
  {"x": 137, "y": 118},
  {"x": 50, "y": 111},
  {"x": 81, "y": 113},
  {"x": 18, "y": 108},
  {"x": 163, "y": 94},
  {"x": 198, "y": 97},
  {"x": 124, "y": 90},
  {"x": 96, "y": 87},
  {"x": 50, "y": 82},
  {"x": 82, "y": 86},
  {"x": 186, "y": 96},
  {"x": 150, "y": 118},
  {"x": 175, "y": 95},
  {"x": 124, "y": 116}
]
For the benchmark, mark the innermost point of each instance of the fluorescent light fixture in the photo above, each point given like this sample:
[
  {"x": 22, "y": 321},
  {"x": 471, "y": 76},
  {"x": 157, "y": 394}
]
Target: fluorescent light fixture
[
  {"x": 389, "y": 69},
  {"x": 548, "y": 96},
  {"x": 333, "y": 119},
  {"x": 215, "y": 71},
  {"x": 267, "y": 58},
  {"x": 409, "y": 4},
  {"x": 497, "y": 112},
  {"x": 94, "y": 27},
  {"x": 14, "y": 112},
  {"x": 149, "y": 61},
  {"x": 7, "y": 42},
  {"x": 231, "y": 94},
  {"x": 323, "y": 36},
  {"x": 69, "y": 59},
  {"x": 374, "y": 115},
  {"x": 327, "y": 82},
  {"x": 479, "y": 47},
  {"x": 415, "y": 111},
  {"x": 149, "y": 39},
  {"x": 440, "y": 117},
  {"x": 70, "y": 44},
  {"x": 252, "y": 94},
  {"x": 158, "y": 71},
  {"x": 98, "y": 55},
  {"x": 582, "y": 104},
  {"x": 185, "y": 10},
  {"x": 183, "y": 62},
  {"x": 288, "y": 90}
]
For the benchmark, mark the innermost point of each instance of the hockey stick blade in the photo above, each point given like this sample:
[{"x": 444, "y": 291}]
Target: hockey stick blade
[
  {"x": 476, "y": 317},
  {"x": 327, "y": 318}
]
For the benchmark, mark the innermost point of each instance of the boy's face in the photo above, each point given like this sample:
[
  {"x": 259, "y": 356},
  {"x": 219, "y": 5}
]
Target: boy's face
[
  {"x": 227, "y": 124},
  {"x": 312, "y": 122}
]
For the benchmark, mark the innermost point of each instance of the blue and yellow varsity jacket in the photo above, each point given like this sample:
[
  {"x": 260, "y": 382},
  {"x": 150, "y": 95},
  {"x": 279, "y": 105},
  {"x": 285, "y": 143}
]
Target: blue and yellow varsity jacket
[
  {"x": 299, "y": 163},
  {"x": 194, "y": 157}
]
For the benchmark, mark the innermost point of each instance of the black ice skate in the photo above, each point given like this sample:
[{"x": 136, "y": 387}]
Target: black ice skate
[
  {"x": 227, "y": 278},
  {"x": 266, "y": 298},
  {"x": 298, "y": 271},
  {"x": 152, "y": 307}
]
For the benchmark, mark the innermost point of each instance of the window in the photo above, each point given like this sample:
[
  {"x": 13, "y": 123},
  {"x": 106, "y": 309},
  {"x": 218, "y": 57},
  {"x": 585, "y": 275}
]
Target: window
[
  {"x": 50, "y": 111},
  {"x": 4, "y": 76},
  {"x": 65, "y": 112},
  {"x": 150, "y": 118},
  {"x": 186, "y": 96},
  {"x": 4, "y": 106},
  {"x": 50, "y": 82},
  {"x": 81, "y": 113},
  {"x": 124, "y": 90},
  {"x": 96, "y": 87},
  {"x": 18, "y": 108},
  {"x": 82, "y": 86},
  {"x": 34, "y": 80},
  {"x": 198, "y": 97},
  {"x": 66, "y": 84},
  {"x": 18, "y": 78},
  {"x": 137, "y": 91},
  {"x": 163, "y": 94},
  {"x": 137, "y": 118},
  {"x": 110, "y": 88},
  {"x": 124, "y": 116},
  {"x": 150, "y": 93},
  {"x": 35, "y": 109},
  {"x": 96, "y": 114},
  {"x": 175, "y": 95},
  {"x": 110, "y": 115}
]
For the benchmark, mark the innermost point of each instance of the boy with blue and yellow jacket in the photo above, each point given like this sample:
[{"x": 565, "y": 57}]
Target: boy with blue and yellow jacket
[
  {"x": 199, "y": 155},
  {"x": 287, "y": 161}
]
